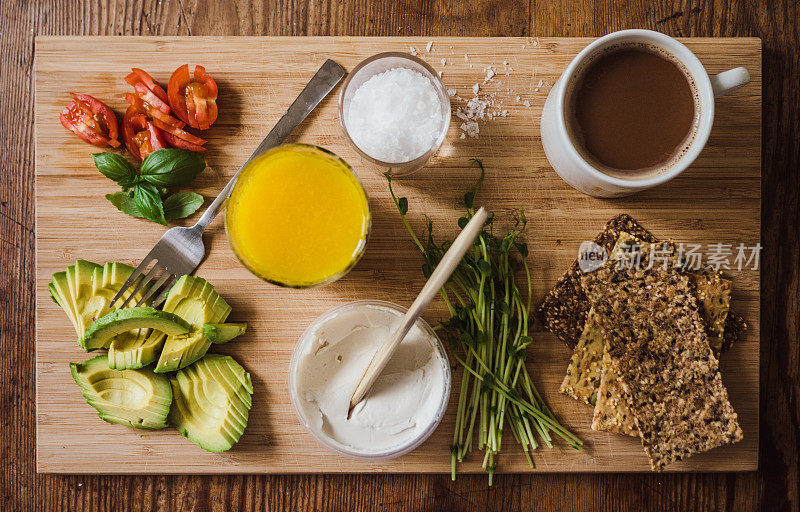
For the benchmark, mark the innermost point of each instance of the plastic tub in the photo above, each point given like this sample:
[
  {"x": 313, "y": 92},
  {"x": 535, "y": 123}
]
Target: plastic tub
[{"x": 303, "y": 346}]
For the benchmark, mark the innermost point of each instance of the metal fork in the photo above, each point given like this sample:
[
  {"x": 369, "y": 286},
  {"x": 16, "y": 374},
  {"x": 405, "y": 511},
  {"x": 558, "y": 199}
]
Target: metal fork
[{"x": 181, "y": 249}]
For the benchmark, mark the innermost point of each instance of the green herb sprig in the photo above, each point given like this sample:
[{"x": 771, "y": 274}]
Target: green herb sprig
[
  {"x": 144, "y": 192},
  {"x": 489, "y": 322}
]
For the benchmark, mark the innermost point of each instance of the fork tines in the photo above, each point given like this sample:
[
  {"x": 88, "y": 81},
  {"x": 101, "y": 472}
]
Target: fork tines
[{"x": 147, "y": 283}]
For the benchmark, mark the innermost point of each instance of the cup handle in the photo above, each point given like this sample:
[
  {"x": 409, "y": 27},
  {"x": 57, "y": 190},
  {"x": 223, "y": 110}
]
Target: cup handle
[{"x": 728, "y": 81}]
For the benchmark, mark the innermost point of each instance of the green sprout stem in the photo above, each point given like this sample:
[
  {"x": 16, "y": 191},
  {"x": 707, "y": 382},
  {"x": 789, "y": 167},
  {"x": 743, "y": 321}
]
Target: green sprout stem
[{"x": 489, "y": 320}]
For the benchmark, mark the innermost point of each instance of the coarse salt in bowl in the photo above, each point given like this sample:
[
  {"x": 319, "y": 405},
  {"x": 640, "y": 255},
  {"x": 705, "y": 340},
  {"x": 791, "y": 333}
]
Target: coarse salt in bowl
[{"x": 395, "y": 111}]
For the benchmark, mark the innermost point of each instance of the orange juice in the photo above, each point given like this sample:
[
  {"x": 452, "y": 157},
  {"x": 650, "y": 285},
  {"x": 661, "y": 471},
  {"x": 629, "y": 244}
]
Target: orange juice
[{"x": 298, "y": 216}]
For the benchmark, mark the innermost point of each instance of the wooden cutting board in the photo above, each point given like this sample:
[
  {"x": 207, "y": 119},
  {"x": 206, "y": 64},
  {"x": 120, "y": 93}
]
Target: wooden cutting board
[{"x": 717, "y": 200}]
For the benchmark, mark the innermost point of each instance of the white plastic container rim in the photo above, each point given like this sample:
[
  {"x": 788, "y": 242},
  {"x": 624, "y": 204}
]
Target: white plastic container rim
[{"x": 394, "y": 451}]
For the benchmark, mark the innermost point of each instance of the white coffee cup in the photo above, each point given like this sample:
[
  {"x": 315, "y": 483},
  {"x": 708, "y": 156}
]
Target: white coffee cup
[{"x": 576, "y": 170}]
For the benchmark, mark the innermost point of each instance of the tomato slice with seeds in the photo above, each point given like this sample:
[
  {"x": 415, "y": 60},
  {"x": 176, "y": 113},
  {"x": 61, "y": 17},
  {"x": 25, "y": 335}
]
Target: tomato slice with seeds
[
  {"x": 143, "y": 106},
  {"x": 91, "y": 120},
  {"x": 140, "y": 75},
  {"x": 193, "y": 100},
  {"x": 177, "y": 132},
  {"x": 175, "y": 142},
  {"x": 148, "y": 90},
  {"x": 141, "y": 136}
]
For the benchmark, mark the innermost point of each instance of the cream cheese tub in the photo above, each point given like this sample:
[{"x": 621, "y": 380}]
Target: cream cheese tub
[{"x": 404, "y": 406}]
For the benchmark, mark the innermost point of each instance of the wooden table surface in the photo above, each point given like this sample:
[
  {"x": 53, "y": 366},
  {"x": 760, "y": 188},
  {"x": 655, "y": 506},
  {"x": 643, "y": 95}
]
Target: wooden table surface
[{"x": 774, "y": 487}]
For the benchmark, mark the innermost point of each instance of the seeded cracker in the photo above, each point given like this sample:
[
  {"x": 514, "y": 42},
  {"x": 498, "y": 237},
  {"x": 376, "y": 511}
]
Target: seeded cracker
[
  {"x": 658, "y": 345},
  {"x": 611, "y": 411},
  {"x": 587, "y": 366},
  {"x": 564, "y": 310},
  {"x": 713, "y": 292},
  {"x": 583, "y": 372}
]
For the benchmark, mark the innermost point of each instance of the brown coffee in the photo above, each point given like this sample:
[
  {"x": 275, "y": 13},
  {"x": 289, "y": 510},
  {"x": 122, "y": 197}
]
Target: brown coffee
[{"x": 632, "y": 109}]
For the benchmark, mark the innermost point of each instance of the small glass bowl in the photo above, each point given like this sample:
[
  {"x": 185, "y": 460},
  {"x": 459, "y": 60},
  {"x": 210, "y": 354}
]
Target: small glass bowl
[
  {"x": 395, "y": 451},
  {"x": 378, "y": 64},
  {"x": 359, "y": 251}
]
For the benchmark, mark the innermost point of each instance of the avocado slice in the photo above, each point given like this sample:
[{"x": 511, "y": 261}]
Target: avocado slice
[
  {"x": 121, "y": 320},
  {"x": 79, "y": 280},
  {"x": 223, "y": 333},
  {"x": 133, "y": 349},
  {"x": 212, "y": 400},
  {"x": 106, "y": 282},
  {"x": 84, "y": 291},
  {"x": 195, "y": 300},
  {"x": 60, "y": 287},
  {"x": 134, "y": 398}
]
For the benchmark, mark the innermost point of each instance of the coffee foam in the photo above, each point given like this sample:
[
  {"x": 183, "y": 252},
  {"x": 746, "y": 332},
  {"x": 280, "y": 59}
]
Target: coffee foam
[{"x": 636, "y": 174}]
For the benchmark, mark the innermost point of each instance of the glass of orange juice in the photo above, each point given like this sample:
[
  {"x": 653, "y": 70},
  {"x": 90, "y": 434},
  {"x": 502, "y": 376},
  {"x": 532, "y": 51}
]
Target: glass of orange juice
[{"x": 298, "y": 216}]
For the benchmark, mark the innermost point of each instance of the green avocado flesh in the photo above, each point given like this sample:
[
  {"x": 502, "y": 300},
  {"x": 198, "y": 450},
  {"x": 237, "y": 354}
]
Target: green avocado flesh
[
  {"x": 103, "y": 330},
  {"x": 195, "y": 300},
  {"x": 134, "y": 398},
  {"x": 134, "y": 349},
  {"x": 212, "y": 401},
  {"x": 223, "y": 333},
  {"x": 84, "y": 291}
]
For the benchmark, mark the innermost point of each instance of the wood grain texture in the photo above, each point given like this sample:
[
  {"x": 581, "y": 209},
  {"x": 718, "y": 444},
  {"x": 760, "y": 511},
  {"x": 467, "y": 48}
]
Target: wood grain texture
[
  {"x": 717, "y": 201},
  {"x": 773, "y": 487}
]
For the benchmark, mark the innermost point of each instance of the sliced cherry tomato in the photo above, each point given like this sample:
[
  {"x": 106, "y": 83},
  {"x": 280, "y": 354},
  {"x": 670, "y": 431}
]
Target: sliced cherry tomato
[
  {"x": 194, "y": 101},
  {"x": 141, "y": 136},
  {"x": 140, "y": 75},
  {"x": 142, "y": 106},
  {"x": 148, "y": 90},
  {"x": 175, "y": 142},
  {"x": 91, "y": 120},
  {"x": 177, "y": 132}
]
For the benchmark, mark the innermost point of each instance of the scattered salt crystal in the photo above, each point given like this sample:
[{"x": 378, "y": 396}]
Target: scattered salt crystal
[
  {"x": 444, "y": 62},
  {"x": 505, "y": 63},
  {"x": 439, "y": 73},
  {"x": 517, "y": 99},
  {"x": 539, "y": 84},
  {"x": 428, "y": 48},
  {"x": 395, "y": 116},
  {"x": 476, "y": 88},
  {"x": 474, "y": 111},
  {"x": 535, "y": 42},
  {"x": 451, "y": 92},
  {"x": 466, "y": 58},
  {"x": 413, "y": 50},
  {"x": 463, "y": 136},
  {"x": 526, "y": 103},
  {"x": 470, "y": 65}
]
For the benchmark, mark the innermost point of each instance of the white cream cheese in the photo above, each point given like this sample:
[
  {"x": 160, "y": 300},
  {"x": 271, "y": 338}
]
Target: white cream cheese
[{"x": 406, "y": 400}]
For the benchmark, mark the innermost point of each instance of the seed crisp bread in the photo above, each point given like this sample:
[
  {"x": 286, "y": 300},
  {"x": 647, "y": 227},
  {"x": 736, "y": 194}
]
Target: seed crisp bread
[{"x": 669, "y": 375}]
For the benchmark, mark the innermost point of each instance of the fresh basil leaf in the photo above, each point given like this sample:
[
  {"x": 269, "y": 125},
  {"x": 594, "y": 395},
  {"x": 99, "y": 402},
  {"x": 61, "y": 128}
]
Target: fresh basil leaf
[
  {"x": 148, "y": 202},
  {"x": 124, "y": 203},
  {"x": 181, "y": 204},
  {"x": 115, "y": 168},
  {"x": 172, "y": 167}
]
